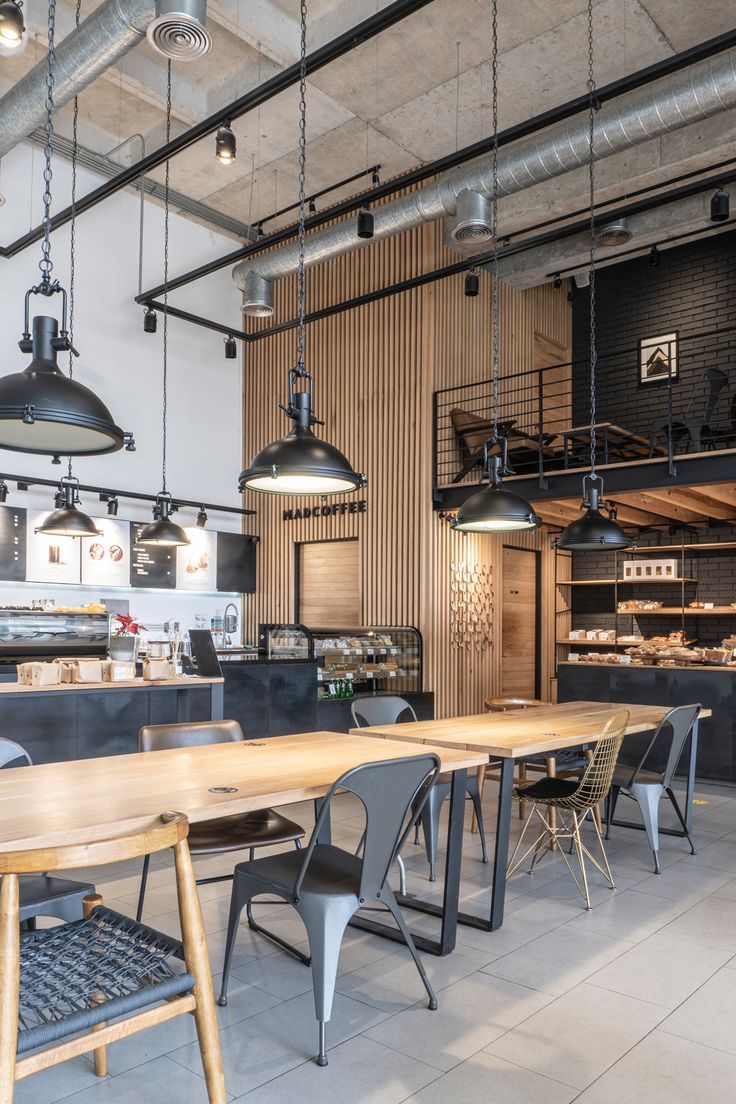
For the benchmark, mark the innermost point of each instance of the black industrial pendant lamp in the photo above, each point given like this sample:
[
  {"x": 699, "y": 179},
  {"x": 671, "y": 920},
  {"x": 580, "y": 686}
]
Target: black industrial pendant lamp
[
  {"x": 596, "y": 530},
  {"x": 41, "y": 410},
  {"x": 162, "y": 530},
  {"x": 12, "y": 27},
  {"x": 67, "y": 520},
  {"x": 494, "y": 509},
  {"x": 300, "y": 463},
  {"x": 226, "y": 147}
]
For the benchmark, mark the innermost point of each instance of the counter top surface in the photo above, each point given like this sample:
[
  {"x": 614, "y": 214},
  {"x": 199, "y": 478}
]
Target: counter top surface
[
  {"x": 653, "y": 666},
  {"x": 186, "y": 683}
]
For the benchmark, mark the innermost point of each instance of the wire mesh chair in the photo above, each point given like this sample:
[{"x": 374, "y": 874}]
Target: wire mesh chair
[
  {"x": 327, "y": 885},
  {"x": 577, "y": 799},
  {"x": 74, "y": 988}
]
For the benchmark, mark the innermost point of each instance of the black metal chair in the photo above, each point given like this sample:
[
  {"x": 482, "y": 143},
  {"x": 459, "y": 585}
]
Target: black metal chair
[
  {"x": 693, "y": 428},
  {"x": 263, "y": 828},
  {"x": 648, "y": 778},
  {"x": 40, "y": 894},
  {"x": 327, "y": 885}
]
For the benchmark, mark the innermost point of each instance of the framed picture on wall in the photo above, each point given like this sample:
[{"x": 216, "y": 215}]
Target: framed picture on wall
[{"x": 658, "y": 358}]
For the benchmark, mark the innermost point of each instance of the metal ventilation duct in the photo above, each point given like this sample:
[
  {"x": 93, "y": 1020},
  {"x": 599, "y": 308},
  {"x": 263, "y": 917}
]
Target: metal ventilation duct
[
  {"x": 705, "y": 89},
  {"x": 614, "y": 233},
  {"x": 104, "y": 37},
  {"x": 473, "y": 223},
  {"x": 178, "y": 31}
]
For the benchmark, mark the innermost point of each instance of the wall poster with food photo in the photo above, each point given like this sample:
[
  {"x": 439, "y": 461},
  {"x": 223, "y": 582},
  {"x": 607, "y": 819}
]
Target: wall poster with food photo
[
  {"x": 106, "y": 559},
  {"x": 196, "y": 562},
  {"x": 49, "y": 559}
]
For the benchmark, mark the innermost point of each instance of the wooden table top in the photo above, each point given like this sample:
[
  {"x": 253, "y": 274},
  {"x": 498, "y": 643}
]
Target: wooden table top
[
  {"x": 91, "y": 799},
  {"x": 522, "y": 732},
  {"x": 186, "y": 682}
]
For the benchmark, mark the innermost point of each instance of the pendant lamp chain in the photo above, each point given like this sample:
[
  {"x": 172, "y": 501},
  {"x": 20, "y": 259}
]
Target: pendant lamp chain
[
  {"x": 593, "y": 105},
  {"x": 301, "y": 287},
  {"x": 73, "y": 225},
  {"x": 164, "y": 403},
  {"x": 495, "y": 306},
  {"x": 46, "y": 264}
]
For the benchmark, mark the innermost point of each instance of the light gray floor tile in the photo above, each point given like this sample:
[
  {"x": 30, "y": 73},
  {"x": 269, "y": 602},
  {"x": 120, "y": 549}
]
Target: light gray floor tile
[
  {"x": 485, "y": 1078},
  {"x": 711, "y": 922},
  {"x": 579, "y": 1035},
  {"x": 663, "y": 1069},
  {"x": 720, "y": 855},
  {"x": 473, "y": 1012},
  {"x": 265, "y": 1046},
  {"x": 158, "y": 1082},
  {"x": 558, "y": 960},
  {"x": 393, "y": 983},
  {"x": 59, "y": 1083},
  {"x": 631, "y": 915},
  {"x": 686, "y": 882},
  {"x": 359, "y": 1071},
  {"x": 661, "y": 969},
  {"x": 709, "y": 1015}
]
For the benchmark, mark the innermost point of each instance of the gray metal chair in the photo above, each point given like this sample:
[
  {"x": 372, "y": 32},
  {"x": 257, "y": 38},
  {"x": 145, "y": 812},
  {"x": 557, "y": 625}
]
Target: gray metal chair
[
  {"x": 41, "y": 895},
  {"x": 263, "y": 828},
  {"x": 379, "y": 709},
  {"x": 327, "y": 885},
  {"x": 649, "y": 777}
]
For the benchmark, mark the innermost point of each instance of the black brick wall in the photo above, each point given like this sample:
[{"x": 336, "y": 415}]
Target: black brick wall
[{"x": 692, "y": 291}]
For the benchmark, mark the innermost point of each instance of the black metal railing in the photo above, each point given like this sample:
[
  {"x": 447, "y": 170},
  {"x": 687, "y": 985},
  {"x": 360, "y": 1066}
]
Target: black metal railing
[{"x": 668, "y": 396}]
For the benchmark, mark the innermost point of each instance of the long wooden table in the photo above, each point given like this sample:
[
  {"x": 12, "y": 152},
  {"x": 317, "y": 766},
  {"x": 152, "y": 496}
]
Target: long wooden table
[
  {"x": 515, "y": 735},
  {"x": 86, "y": 800}
]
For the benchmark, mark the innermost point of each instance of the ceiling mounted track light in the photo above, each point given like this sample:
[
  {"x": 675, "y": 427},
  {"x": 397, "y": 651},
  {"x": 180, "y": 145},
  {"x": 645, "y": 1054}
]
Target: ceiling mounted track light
[
  {"x": 472, "y": 219},
  {"x": 201, "y": 517},
  {"x": 150, "y": 320},
  {"x": 720, "y": 206},
  {"x": 472, "y": 284},
  {"x": 300, "y": 463},
  {"x": 12, "y": 27},
  {"x": 179, "y": 31},
  {"x": 593, "y": 531},
  {"x": 494, "y": 509},
  {"x": 41, "y": 410},
  {"x": 67, "y": 520},
  {"x": 112, "y": 506},
  {"x": 231, "y": 348},
  {"x": 3, "y": 490},
  {"x": 226, "y": 146},
  {"x": 654, "y": 257},
  {"x": 365, "y": 223}
]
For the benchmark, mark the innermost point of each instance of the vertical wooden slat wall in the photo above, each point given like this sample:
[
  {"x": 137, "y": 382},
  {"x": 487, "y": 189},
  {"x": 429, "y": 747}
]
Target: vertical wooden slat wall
[{"x": 375, "y": 369}]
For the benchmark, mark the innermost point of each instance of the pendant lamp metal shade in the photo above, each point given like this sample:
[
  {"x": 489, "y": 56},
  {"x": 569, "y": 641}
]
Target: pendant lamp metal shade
[
  {"x": 300, "y": 463},
  {"x": 162, "y": 530},
  {"x": 494, "y": 509},
  {"x": 593, "y": 532},
  {"x": 67, "y": 520},
  {"x": 43, "y": 411}
]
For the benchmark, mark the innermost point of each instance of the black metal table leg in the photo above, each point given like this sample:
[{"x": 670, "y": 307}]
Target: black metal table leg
[
  {"x": 501, "y": 853},
  {"x": 690, "y": 788}
]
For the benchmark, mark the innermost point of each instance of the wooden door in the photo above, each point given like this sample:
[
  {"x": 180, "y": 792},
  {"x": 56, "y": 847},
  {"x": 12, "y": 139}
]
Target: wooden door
[
  {"x": 519, "y": 623},
  {"x": 328, "y": 584}
]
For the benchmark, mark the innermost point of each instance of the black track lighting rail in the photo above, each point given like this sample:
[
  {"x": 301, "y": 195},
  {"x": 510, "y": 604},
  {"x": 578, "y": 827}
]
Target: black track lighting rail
[
  {"x": 25, "y": 482},
  {"x": 415, "y": 176},
  {"x": 317, "y": 195},
  {"x": 364, "y": 31}
]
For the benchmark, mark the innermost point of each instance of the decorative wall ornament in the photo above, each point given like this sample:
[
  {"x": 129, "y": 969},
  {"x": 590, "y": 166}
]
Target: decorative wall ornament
[
  {"x": 658, "y": 358},
  {"x": 471, "y": 605}
]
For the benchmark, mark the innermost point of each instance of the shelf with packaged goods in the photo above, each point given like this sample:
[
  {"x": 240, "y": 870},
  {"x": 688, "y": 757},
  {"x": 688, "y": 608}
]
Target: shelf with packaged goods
[
  {"x": 359, "y": 675},
  {"x": 704, "y": 546},
  {"x": 624, "y": 582},
  {"x": 619, "y": 642},
  {"x": 680, "y": 611}
]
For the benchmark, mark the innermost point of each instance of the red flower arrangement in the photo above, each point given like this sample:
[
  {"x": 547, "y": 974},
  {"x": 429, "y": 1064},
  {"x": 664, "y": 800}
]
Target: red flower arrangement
[{"x": 128, "y": 626}]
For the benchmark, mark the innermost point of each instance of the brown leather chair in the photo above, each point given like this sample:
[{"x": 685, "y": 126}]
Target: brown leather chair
[{"x": 262, "y": 828}]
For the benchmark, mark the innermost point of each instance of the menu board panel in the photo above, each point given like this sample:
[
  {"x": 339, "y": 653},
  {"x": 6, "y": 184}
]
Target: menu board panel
[
  {"x": 12, "y": 544},
  {"x": 236, "y": 562},
  {"x": 196, "y": 563},
  {"x": 106, "y": 559},
  {"x": 151, "y": 565},
  {"x": 50, "y": 559}
]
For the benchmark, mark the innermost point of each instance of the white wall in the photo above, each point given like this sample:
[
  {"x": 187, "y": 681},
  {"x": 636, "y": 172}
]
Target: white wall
[{"x": 122, "y": 364}]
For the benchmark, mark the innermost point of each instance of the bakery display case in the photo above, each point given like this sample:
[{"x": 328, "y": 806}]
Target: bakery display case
[
  {"x": 50, "y": 633},
  {"x": 282, "y": 641},
  {"x": 362, "y": 660}
]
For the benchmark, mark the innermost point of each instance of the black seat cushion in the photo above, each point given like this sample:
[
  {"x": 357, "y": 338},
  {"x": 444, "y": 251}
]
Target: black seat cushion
[
  {"x": 331, "y": 871},
  {"x": 548, "y": 788},
  {"x": 234, "y": 833}
]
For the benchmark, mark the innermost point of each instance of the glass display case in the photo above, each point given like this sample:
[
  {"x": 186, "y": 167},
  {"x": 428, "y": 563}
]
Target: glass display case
[
  {"x": 361, "y": 660},
  {"x": 285, "y": 642},
  {"x": 46, "y": 634}
]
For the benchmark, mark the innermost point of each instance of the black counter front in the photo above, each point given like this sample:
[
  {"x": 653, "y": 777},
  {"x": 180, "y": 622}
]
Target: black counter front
[{"x": 712, "y": 687}]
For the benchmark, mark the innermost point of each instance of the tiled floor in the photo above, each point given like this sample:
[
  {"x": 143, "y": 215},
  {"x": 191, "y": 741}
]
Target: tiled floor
[{"x": 633, "y": 1000}]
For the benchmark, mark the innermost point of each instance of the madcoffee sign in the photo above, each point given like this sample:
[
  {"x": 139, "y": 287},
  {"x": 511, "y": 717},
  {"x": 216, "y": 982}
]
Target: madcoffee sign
[{"x": 333, "y": 510}]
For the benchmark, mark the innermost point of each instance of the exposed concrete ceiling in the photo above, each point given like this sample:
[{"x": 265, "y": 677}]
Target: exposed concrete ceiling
[{"x": 413, "y": 94}]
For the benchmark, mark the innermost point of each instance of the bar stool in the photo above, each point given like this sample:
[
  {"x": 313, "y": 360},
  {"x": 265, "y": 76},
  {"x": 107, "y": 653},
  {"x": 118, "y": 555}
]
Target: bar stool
[{"x": 72, "y": 989}]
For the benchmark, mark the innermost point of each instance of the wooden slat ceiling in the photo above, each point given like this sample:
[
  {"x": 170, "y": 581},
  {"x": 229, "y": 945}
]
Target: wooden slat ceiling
[{"x": 658, "y": 506}]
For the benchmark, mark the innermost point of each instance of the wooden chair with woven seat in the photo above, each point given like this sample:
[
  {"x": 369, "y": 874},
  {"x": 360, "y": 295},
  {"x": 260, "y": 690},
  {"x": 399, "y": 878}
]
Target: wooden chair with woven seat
[
  {"x": 244, "y": 831},
  {"x": 74, "y": 988},
  {"x": 574, "y": 798}
]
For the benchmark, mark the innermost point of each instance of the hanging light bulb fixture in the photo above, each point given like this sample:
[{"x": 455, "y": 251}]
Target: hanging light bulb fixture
[
  {"x": 594, "y": 531},
  {"x": 41, "y": 410},
  {"x": 162, "y": 530},
  {"x": 12, "y": 27},
  {"x": 494, "y": 509},
  {"x": 300, "y": 463},
  {"x": 67, "y": 520},
  {"x": 226, "y": 147}
]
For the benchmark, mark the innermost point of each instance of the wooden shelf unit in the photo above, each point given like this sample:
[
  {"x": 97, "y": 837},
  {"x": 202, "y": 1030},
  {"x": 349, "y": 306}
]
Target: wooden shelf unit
[{"x": 656, "y": 580}]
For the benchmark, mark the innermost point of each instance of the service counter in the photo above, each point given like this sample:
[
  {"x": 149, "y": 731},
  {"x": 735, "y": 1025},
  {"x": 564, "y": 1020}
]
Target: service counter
[{"x": 714, "y": 687}]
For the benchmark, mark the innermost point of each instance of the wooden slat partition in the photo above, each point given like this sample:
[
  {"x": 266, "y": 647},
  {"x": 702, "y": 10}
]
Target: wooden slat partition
[{"x": 375, "y": 369}]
